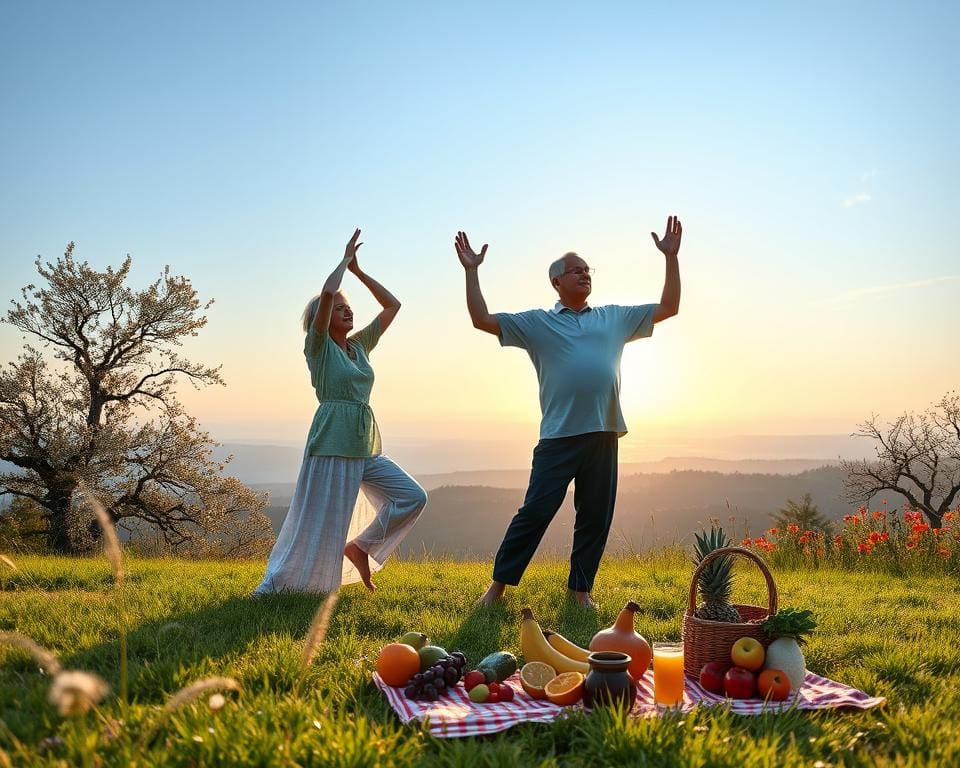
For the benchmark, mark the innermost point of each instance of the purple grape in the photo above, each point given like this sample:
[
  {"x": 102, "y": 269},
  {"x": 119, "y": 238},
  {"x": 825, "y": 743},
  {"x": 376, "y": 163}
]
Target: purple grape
[
  {"x": 418, "y": 678},
  {"x": 430, "y": 693},
  {"x": 428, "y": 675},
  {"x": 411, "y": 691},
  {"x": 451, "y": 677},
  {"x": 440, "y": 684}
]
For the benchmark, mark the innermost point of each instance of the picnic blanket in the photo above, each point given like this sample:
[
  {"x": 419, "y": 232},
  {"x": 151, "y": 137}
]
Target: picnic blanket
[{"x": 455, "y": 715}]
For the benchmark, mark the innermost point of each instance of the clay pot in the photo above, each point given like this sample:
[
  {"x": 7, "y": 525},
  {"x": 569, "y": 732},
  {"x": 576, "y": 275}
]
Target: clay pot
[{"x": 608, "y": 682}]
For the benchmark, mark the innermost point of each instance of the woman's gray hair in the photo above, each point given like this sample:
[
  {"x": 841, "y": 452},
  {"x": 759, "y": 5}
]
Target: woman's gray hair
[
  {"x": 557, "y": 268},
  {"x": 310, "y": 312}
]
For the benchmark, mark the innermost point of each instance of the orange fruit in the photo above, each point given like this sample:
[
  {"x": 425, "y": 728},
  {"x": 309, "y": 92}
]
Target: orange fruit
[
  {"x": 397, "y": 663},
  {"x": 565, "y": 689},
  {"x": 534, "y": 676}
]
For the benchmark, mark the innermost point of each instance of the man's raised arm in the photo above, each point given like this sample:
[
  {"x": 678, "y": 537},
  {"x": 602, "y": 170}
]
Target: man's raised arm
[
  {"x": 476, "y": 304},
  {"x": 670, "y": 247}
]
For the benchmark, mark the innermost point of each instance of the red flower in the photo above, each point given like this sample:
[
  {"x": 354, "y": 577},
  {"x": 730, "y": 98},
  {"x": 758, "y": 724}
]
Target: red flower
[
  {"x": 821, "y": 552},
  {"x": 794, "y": 528},
  {"x": 912, "y": 516},
  {"x": 760, "y": 541},
  {"x": 948, "y": 516},
  {"x": 773, "y": 531},
  {"x": 879, "y": 515},
  {"x": 838, "y": 541},
  {"x": 863, "y": 549},
  {"x": 911, "y": 543},
  {"x": 874, "y": 537},
  {"x": 746, "y": 543},
  {"x": 804, "y": 539},
  {"x": 920, "y": 527},
  {"x": 884, "y": 536}
]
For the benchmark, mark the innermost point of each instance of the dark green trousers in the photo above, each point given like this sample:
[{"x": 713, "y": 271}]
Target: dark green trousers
[{"x": 591, "y": 462}]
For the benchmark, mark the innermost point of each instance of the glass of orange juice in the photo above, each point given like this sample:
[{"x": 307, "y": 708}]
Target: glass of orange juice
[{"x": 668, "y": 673}]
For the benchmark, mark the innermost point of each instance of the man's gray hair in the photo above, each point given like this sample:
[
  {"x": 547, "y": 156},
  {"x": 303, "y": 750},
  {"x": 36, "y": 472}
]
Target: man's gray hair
[{"x": 558, "y": 267}]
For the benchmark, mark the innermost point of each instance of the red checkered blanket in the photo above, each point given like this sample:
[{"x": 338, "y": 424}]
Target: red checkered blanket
[{"x": 455, "y": 715}]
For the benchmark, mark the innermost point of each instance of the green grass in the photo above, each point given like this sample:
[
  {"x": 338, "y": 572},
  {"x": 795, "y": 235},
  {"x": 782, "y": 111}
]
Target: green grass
[{"x": 187, "y": 620}]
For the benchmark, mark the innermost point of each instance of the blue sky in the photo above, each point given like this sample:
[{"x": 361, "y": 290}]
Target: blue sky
[{"x": 810, "y": 151}]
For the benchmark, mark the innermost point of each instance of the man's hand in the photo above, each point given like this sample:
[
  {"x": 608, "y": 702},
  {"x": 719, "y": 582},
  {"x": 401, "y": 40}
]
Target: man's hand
[
  {"x": 468, "y": 258},
  {"x": 670, "y": 244},
  {"x": 350, "y": 252}
]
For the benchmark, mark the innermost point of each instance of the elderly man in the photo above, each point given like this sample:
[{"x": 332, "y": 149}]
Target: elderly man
[{"x": 576, "y": 350}]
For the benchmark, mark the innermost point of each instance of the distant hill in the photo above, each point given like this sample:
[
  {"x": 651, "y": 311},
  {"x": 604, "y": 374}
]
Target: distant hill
[{"x": 652, "y": 509}]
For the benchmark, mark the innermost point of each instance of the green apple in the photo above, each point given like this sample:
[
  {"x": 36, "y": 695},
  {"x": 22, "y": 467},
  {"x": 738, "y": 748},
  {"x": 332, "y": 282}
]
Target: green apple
[{"x": 415, "y": 640}]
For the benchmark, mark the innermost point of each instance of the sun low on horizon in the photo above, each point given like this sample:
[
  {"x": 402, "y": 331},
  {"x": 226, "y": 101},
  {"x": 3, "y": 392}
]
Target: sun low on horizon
[{"x": 813, "y": 166}]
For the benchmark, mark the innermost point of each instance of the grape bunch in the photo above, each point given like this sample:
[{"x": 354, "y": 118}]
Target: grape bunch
[{"x": 437, "y": 680}]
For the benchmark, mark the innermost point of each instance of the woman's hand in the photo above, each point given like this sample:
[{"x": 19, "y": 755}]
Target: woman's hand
[{"x": 350, "y": 252}]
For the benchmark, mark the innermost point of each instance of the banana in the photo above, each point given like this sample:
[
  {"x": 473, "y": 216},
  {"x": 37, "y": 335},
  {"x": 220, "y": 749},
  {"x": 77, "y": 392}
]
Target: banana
[
  {"x": 535, "y": 647},
  {"x": 566, "y": 647}
]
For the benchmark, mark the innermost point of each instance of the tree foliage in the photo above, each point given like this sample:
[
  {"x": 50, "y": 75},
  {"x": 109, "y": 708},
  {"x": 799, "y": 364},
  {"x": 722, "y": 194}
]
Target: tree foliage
[
  {"x": 918, "y": 456},
  {"x": 99, "y": 411},
  {"x": 804, "y": 514}
]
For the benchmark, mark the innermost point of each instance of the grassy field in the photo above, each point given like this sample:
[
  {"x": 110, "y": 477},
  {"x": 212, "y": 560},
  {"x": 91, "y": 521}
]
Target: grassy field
[{"x": 896, "y": 637}]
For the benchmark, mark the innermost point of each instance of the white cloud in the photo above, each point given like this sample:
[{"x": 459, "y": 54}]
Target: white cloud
[
  {"x": 861, "y": 197},
  {"x": 875, "y": 290},
  {"x": 867, "y": 175}
]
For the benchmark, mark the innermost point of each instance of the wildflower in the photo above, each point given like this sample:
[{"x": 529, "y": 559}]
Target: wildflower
[
  {"x": 861, "y": 510},
  {"x": 948, "y": 516},
  {"x": 773, "y": 531},
  {"x": 884, "y": 536},
  {"x": 760, "y": 541},
  {"x": 863, "y": 549},
  {"x": 793, "y": 528},
  {"x": 216, "y": 702},
  {"x": 920, "y": 527},
  {"x": 874, "y": 537},
  {"x": 838, "y": 541},
  {"x": 771, "y": 546},
  {"x": 190, "y": 692},
  {"x": 911, "y": 543},
  {"x": 912, "y": 516},
  {"x": 746, "y": 542},
  {"x": 943, "y": 551},
  {"x": 879, "y": 515},
  {"x": 821, "y": 552},
  {"x": 73, "y": 692},
  {"x": 936, "y": 531},
  {"x": 804, "y": 539}
]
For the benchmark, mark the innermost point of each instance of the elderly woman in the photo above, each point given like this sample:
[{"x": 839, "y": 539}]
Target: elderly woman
[{"x": 346, "y": 487}]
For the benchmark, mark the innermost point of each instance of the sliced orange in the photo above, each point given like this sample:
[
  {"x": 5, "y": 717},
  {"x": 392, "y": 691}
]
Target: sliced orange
[
  {"x": 565, "y": 689},
  {"x": 534, "y": 676}
]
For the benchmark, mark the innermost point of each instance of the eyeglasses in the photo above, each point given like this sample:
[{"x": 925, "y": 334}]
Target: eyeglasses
[{"x": 580, "y": 271}]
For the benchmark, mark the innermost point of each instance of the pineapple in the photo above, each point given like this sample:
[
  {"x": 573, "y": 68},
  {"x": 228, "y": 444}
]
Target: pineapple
[{"x": 714, "y": 580}]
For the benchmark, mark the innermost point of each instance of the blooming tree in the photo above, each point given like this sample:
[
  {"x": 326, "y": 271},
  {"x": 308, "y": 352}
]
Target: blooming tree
[{"x": 95, "y": 408}]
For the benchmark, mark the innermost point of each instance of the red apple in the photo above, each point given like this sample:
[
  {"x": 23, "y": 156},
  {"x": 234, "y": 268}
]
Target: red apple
[
  {"x": 711, "y": 676},
  {"x": 774, "y": 684},
  {"x": 748, "y": 653},
  {"x": 473, "y": 678},
  {"x": 739, "y": 683}
]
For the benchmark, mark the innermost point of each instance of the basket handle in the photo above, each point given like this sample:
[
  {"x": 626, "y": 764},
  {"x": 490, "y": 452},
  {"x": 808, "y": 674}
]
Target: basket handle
[{"x": 771, "y": 587}]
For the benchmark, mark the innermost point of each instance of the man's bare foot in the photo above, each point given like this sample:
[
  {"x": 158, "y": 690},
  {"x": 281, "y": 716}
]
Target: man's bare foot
[
  {"x": 493, "y": 594},
  {"x": 583, "y": 599},
  {"x": 361, "y": 561}
]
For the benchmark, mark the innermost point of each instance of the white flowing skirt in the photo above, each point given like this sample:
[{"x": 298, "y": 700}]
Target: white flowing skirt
[{"x": 371, "y": 500}]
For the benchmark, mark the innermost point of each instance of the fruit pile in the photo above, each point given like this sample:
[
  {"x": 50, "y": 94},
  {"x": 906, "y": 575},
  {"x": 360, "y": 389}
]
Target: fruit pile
[
  {"x": 772, "y": 674},
  {"x": 441, "y": 678}
]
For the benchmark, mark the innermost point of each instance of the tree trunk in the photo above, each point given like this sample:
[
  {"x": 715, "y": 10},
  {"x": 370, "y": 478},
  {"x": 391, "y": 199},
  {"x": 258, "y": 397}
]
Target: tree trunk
[{"x": 57, "y": 501}]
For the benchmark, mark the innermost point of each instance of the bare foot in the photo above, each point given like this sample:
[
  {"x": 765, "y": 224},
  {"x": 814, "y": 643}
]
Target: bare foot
[
  {"x": 493, "y": 594},
  {"x": 583, "y": 599},
  {"x": 361, "y": 561}
]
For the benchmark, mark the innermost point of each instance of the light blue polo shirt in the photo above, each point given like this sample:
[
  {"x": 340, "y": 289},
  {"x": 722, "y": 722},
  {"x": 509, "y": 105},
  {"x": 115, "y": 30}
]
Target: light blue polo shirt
[{"x": 577, "y": 357}]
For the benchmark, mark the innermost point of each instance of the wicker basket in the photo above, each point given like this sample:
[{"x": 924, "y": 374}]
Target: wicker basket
[{"x": 705, "y": 641}]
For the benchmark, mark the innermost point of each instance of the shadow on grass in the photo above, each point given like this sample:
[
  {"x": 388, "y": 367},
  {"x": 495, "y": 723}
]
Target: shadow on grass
[{"x": 166, "y": 653}]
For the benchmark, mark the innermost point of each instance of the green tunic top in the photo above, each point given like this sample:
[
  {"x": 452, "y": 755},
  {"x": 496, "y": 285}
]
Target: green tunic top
[{"x": 343, "y": 424}]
